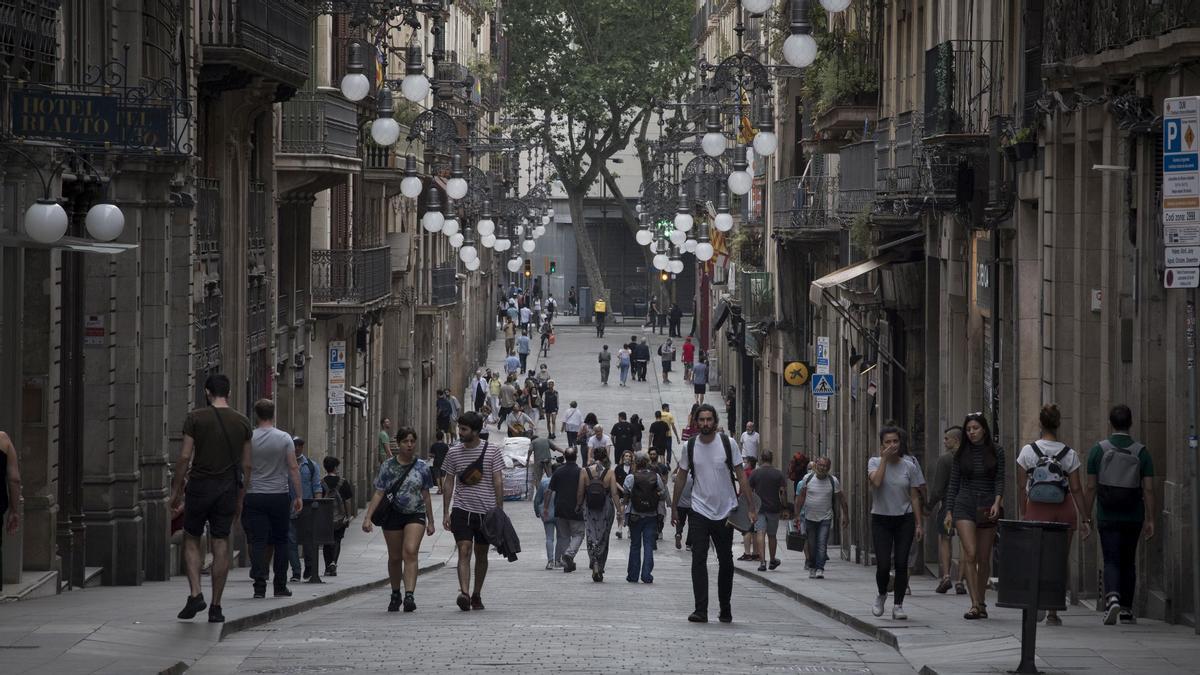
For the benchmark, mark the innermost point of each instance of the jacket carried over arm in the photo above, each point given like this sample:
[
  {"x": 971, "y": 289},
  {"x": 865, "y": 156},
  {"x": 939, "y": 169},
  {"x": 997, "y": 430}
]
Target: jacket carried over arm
[{"x": 501, "y": 534}]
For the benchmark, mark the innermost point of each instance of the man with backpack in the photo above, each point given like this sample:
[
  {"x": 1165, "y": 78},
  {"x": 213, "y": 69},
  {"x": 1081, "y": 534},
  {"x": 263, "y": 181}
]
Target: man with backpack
[
  {"x": 645, "y": 490},
  {"x": 1121, "y": 481},
  {"x": 343, "y": 511},
  {"x": 310, "y": 488},
  {"x": 716, "y": 465}
]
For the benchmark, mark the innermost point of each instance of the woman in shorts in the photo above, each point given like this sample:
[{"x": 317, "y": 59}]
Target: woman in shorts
[{"x": 402, "y": 487}]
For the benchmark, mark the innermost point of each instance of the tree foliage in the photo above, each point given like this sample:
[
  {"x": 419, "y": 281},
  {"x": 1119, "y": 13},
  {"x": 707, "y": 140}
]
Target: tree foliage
[{"x": 584, "y": 73}]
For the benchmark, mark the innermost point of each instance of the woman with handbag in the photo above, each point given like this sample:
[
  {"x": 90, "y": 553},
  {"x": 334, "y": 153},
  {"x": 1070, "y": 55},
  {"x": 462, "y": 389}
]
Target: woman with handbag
[
  {"x": 401, "y": 506},
  {"x": 895, "y": 515},
  {"x": 976, "y": 499}
]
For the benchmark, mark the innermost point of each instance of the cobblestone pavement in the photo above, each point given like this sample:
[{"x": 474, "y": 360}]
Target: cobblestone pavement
[{"x": 547, "y": 620}]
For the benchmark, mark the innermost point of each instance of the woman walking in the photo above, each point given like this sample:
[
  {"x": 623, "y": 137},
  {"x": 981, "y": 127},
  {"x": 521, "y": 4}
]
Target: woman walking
[
  {"x": 585, "y": 432},
  {"x": 402, "y": 488},
  {"x": 976, "y": 499},
  {"x": 639, "y": 428},
  {"x": 623, "y": 356},
  {"x": 601, "y": 501},
  {"x": 1048, "y": 476},
  {"x": 620, "y": 471},
  {"x": 895, "y": 515}
]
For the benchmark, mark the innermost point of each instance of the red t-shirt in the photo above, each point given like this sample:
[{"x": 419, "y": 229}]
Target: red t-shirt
[{"x": 689, "y": 351}]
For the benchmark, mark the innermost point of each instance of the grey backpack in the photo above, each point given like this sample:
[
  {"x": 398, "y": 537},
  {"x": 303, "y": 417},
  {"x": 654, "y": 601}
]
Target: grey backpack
[{"x": 1119, "y": 482}]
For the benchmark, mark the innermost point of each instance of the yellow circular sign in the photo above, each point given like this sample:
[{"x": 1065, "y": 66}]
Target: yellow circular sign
[{"x": 796, "y": 373}]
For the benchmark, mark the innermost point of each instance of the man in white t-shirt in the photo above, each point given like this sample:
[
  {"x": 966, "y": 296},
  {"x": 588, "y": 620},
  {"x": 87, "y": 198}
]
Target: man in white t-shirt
[
  {"x": 717, "y": 466},
  {"x": 816, "y": 494},
  {"x": 749, "y": 441},
  {"x": 599, "y": 440}
]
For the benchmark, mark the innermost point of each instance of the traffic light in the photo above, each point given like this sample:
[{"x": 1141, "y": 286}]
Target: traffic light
[
  {"x": 553, "y": 267},
  {"x": 528, "y": 268},
  {"x": 664, "y": 276}
]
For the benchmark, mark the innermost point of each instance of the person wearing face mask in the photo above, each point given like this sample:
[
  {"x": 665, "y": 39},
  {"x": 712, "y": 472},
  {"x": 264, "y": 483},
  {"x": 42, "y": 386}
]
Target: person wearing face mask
[{"x": 976, "y": 499}]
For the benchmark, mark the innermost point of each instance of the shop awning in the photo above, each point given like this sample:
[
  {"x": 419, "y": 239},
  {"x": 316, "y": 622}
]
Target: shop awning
[{"x": 817, "y": 290}]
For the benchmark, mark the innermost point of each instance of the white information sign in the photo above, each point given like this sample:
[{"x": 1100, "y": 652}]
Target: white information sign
[
  {"x": 1182, "y": 277},
  {"x": 337, "y": 377},
  {"x": 822, "y": 355},
  {"x": 1183, "y": 256},
  {"x": 1181, "y": 191}
]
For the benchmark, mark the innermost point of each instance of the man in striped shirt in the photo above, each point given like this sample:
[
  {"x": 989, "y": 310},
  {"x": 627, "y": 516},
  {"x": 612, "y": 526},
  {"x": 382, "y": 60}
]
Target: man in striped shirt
[{"x": 473, "y": 485}]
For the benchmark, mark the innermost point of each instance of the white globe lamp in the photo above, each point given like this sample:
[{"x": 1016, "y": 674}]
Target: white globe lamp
[
  {"x": 385, "y": 131},
  {"x": 527, "y": 245},
  {"x": 456, "y": 187},
  {"x": 644, "y": 237},
  {"x": 661, "y": 261},
  {"x": 740, "y": 182},
  {"x": 835, "y": 5},
  {"x": 723, "y": 222},
  {"x": 415, "y": 86},
  {"x": 800, "y": 50},
  {"x": 539, "y": 231},
  {"x": 514, "y": 264},
  {"x": 456, "y": 239},
  {"x": 766, "y": 143},
  {"x": 689, "y": 246},
  {"x": 487, "y": 240},
  {"x": 355, "y": 86},
  {"x": 45, "y": 221},
  {"x": 468, "y": 253},
  {"x": 105, "y": 222},
  {"x": 472, "y": 264},
  {"x": 486, "y": 227},
  {"x": 704, "y": 251},
  {"x": 503, "y": 245},
  {"x": 411, "y": 185},
  {"x": 757, "y": 6},
  {"x": 713, "y": 143},
  {"x": 433, "y": 221},
  {"x": 676, "y": 266},
  {"x": 678, "y": 237}
]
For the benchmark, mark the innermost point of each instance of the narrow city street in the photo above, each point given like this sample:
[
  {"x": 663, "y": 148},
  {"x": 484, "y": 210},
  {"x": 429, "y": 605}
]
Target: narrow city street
[{"x": 547, "y": 620}]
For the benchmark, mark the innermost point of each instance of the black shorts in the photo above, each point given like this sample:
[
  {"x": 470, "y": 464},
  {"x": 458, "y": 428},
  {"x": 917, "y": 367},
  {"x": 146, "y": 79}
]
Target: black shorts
[
  {"x": 701, "y": 388},
  {"x": 467, "y": 526},
  {"x": 666, "y": 366},
  {"x": 212, "y": 501},
  {"x": 394, "y": 520}
]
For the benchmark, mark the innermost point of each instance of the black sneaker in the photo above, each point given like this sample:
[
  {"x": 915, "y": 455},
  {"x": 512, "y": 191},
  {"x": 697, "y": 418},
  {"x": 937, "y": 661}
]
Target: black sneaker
[
  {"x": 282, "y": 592},
  {"x": 331, "y": 571},
  {"x": 410, "y": 604},
  {"x": 314, "y": 579},
  {"x": 260, "y": 591},
  {"x": 215, "y": 615},
  {"x": 568, "y": 564},
  {"x": 1127, "y": 617},
  {"x": 195, "y": 603},
  {"x": 476, "y": 602},
  {"x": 775, "y": 563},
  {"x": 394, "y": 602},
  {"x": 697, "y": 617},
  {"x": 295, "y": 578},
  {"x": 726, "y": 616}
]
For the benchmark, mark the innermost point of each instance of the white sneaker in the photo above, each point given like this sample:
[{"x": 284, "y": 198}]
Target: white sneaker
[
  {"x": 812, "y": 574},
  {"x": 877, "y": 608},
  {"x": 898, "y": 613},
  {"x": 819, "y": 574}
]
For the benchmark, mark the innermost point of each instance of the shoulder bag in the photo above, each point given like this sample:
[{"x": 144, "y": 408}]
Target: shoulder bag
[
  {"x": 473, "y": 474},
  {"x": 379, "y": 517}
]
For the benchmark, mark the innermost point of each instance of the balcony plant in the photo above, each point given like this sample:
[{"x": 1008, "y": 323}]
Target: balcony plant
[
  {"x": 747, "y": 247},
  {"x": 861, "y": 236},
  {"x": 1020, "y": 144}
]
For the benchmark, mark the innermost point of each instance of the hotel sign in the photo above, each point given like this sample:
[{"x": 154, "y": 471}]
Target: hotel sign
[{"x": 89, "y": 119}]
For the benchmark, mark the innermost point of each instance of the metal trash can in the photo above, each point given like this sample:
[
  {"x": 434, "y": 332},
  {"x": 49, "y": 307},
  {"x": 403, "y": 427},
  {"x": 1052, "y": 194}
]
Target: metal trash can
[
  {"x": 1033, "y": 565},
  {"x": 1033, "y": 576}
]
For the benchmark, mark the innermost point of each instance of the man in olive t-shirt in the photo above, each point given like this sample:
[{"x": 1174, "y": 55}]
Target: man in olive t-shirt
[
  {"x": 385, "y": 439},
  {"x": 216, "y": 443}
]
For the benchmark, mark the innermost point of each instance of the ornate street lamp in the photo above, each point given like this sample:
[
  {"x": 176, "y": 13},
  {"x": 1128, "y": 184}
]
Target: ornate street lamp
[
  {"x": 740, "y": 181},
  {"x": 704, "y": 248},
  {"x": 683, "y": 216},
  {"x": 800, "y": 49},
  {"x": 433, "y": 220},
  {"x": 723, "y": 222},
  {"x": 411, "y": 185}
]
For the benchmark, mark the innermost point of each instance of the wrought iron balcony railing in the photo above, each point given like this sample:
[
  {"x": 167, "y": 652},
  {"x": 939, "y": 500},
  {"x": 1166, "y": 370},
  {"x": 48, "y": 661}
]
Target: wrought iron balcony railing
[
  {"x": 208, "y": 217},
  {"x": 1072, "y": 28},
  {"x": 806, "y": 204},
  {"x": 756, "y": 295},
  {"x": 256, "y": 225},
  {"x": 856, "y": 177},
  {"x": 350, "y": 278},
  {"x": 319, "y": 123},
  {"x": 277, "y": 32},
  {"x": 963, "y": 87}
]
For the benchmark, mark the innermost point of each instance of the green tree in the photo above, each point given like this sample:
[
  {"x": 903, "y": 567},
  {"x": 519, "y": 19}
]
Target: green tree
[{"x": 582, "y": 80}]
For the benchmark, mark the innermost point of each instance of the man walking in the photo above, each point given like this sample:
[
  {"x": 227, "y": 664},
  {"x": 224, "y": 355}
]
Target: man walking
[
  {"x": 816, "y": 496},
  {"x": 689, "y": 357},
  {"x": 311, "y": 488},
  {"x": 508, "y": 399},
  {"x": 716, "y": 466},
  {"x": 598, "y": 441},
  {"x": 605, "y": 364},
  {"x": 526, "y": 316},
  {"x": 445, "y": 412},
  {"x": 600, "y": 309},
  {"x": 770, "y": 486},
  {"x": 512, "y": 363},
  {"x": 700, "y": 378},
  {"x": 572, "y": 421},
  {"x": 523, "y": 348},
  {"x": 641, "y": 358},
  {"x": 384, "y": 443},
  {"x": 510, "y": 335},
  {"x": 645, "y": 490},
  {"x": 623, "y": 435},
  {"x": 669, "y": 419},
  {"x": 1121, "y": 480},
  {"x": 216, "y": 442},
  {"x": 676, "y": 316},
  {"x": 666, "y": 352},
  {"x": 568, "y": 517},
  {"x": 749, "y": 441},
  {"x": 652, "y": 312},
  {"x": 271, "y": 476},
  {"x": 937, "y": 511},
  {"x": 474, "y": 485},
  {"x": 538, "y": 459}
]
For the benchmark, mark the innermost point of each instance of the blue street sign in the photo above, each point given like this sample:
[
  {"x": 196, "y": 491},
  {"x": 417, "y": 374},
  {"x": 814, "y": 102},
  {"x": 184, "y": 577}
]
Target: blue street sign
[{"x": 823, "y": 385}]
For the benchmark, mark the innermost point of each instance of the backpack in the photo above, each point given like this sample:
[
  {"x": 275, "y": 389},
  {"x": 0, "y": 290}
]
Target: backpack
[
  {"x": 1119, "y": 482},
  {"x": 594, "y": 494},
  {"x": 341, "y": 514},
  {"x": 645, "y": 495},
  {"x": 1047, "y": 480}
]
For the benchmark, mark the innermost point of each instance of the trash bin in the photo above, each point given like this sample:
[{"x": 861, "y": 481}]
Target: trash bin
[
  {"x": 1033, "y": 565},
  {"x": 314, "y": 524}
]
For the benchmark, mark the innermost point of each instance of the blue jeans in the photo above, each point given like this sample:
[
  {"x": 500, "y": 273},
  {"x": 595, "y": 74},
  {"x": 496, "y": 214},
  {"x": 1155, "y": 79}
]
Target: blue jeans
[
  {"x": 551, "y": 529},
  {"x": 624, "y": 373},
  {"x": 818, "y": 541},
  {"x": 642, "y": 530}
]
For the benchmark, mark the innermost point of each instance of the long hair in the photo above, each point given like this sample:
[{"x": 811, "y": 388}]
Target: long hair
[{"x": 988, "y": 445}]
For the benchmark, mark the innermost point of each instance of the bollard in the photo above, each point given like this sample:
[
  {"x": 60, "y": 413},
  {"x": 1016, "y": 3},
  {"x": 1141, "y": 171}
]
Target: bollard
[{"x": 1042, "y": 585}]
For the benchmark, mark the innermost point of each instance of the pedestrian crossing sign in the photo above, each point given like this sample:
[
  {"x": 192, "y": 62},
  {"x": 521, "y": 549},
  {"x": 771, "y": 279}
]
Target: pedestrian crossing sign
[{"x": 823, "y": 385}]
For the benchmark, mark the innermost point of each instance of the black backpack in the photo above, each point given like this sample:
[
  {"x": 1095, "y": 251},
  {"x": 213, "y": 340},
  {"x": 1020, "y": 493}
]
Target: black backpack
[
  {"x": 594, "y": 493},
  {"x": 645, "y": 495}
]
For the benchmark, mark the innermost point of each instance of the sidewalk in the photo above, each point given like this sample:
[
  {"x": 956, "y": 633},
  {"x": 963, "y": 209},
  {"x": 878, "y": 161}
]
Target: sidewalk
[
  {"x": 122, "y": 629},
  {"x": 937, "y": 640}
]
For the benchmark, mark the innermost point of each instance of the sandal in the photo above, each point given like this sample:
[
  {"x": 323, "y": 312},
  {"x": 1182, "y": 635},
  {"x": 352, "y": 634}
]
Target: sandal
[
  {"x": 944, "y": 585},
  {"x": 983, "y": 611},
  {"x": 972, "y": 614},
  {"x": 464, "y": 601}
]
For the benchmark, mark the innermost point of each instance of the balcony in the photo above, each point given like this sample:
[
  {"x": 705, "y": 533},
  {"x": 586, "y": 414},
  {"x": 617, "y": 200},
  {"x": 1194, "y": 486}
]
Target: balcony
[
  {"x": 442, "y": 290},
  {"x": 318, "y": 143},
  {"x": 1089, "y": 41},
  {"x": 964, "y": 82},
  {"x": 450, "y": 74},
  {"x": 208, "y": 218},
  {"x": 491, "y": 94},
  {"x": 350, "y": 281},
  {"x": 842, "y": 88},
  {"x": 246, "y": 38},
  {"x": 805, "y": 207},
  {"x": 756, "y": 296},
  {"x": 383, "y": 165},
  {"x": 856, "y": 178}
]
